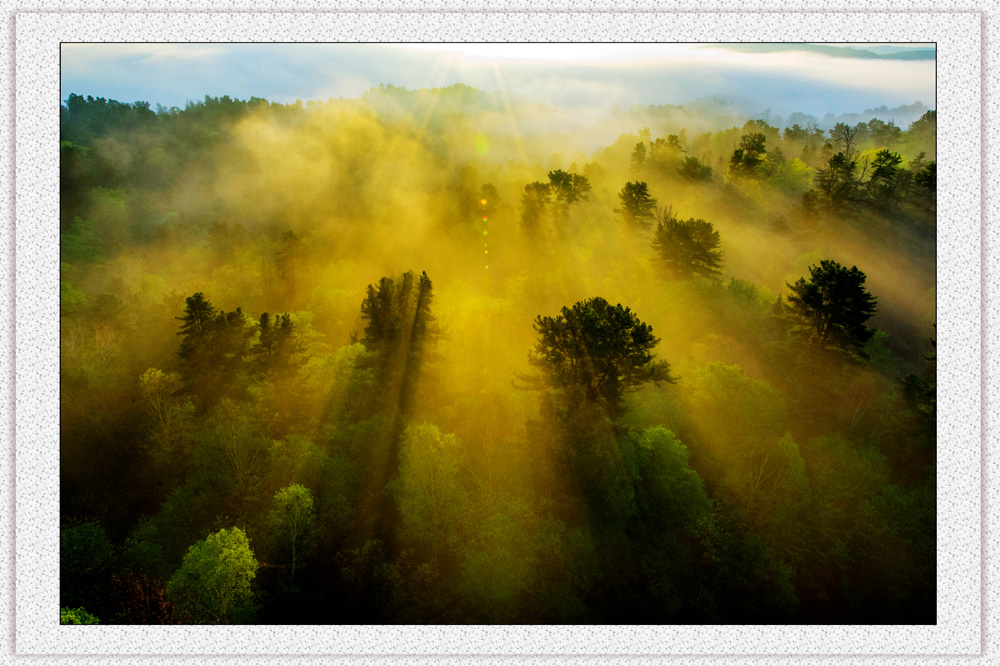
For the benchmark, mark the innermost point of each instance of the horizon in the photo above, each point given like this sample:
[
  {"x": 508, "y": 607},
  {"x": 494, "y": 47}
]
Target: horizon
[{"x": 590, "y": 77}]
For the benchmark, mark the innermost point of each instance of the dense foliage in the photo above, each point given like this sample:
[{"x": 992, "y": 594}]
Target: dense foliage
[{"x": 342, "y": 363}]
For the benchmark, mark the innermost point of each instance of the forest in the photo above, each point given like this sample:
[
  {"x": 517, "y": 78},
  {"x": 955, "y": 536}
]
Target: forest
[{"x": 423, "y": 357}]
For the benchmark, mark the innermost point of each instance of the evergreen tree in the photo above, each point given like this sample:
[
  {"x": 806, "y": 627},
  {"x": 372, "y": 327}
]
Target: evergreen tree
[
  {"x": 637, "y": 206},
  {"x": 688, "y": 248},
  {"x": 834, "y": 300},
  {"x": 594, "y": 352}
]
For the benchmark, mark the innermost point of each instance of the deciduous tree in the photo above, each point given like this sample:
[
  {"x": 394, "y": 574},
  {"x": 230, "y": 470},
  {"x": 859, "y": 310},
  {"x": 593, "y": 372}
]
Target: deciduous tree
[
  {"x": 214, "y": 584},
  {"x": 291, "y": 518}
]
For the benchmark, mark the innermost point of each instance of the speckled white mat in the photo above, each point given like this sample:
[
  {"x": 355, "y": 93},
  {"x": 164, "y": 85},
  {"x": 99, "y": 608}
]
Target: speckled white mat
[{"x": 33, "y": 621}]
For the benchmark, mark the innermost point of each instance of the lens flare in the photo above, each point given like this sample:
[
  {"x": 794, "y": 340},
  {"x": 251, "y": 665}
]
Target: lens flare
[{"x": 482, "y": 144}]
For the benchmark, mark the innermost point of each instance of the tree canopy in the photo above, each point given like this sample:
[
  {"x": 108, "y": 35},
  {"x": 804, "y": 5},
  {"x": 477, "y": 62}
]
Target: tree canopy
[
  {"x": 291, "y": 518},
  {"x": 688, "y": 247},
  {"x": 637, "y": 206},
  {"x": 835, "y": 301},
  {"x": 267, "y": 416},
  {"x": 597, "y": 351},
  {"x": 214, "y": 582}
]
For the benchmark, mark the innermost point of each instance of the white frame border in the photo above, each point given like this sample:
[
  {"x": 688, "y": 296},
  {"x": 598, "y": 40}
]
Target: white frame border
[{"x": 958, "y": 36}]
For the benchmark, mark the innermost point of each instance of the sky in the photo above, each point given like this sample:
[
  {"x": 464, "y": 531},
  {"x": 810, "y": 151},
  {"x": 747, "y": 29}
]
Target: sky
[{"x": 561, "y": 75}]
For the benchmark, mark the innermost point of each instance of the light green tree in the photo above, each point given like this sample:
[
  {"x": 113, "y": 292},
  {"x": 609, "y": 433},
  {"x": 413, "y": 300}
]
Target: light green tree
[
  {"x": 291, "y": 519},
  {"x": 670, "y": 494},
  {"x": 214, "y": 584},
  {"x": 168, "y": 412},
  {"x": 428, "y": 492},
  {"x": 76, "y": 616},
  {"x": 638, "y": 207}
]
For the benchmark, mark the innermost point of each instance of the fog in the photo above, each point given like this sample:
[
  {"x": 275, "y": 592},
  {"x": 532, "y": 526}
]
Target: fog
[
  {"x": 594, "y": 76},
  {"x": 553, "y": 350}
]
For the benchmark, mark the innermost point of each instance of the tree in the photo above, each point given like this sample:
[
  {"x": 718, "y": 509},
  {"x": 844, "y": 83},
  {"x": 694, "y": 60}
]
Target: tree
[
  {"x": 214, "y": 582},
  {"x": 568, "y": 187},
  {"x": 274, "y": 340},
  {"x": 637, "y": 205},
  {"x": 669, "y": 494},
  {"x": 835, "y": 301},
  {"x": 234, "y": 444},
  {"x": 291, "y": 518},
  {"x": 399, "y": 327},
  {"x": 214, "y": 348},
  {"x": 927, "y": 178},
  {"x": 883, "y": 133},
  {"x": 837, "y": 183},
  {"x": 693, "y": 169},
  {"x": 534, "y": 203},
  {"x": 924, "y": 130},
  {"x": 159, "y": 395},
  {"x": 745, "y": 435},
  {"x": 664, "y": 154},
  {"x": 883, "y": 184},
  {"x": 199, "y": 313},
  {"x": 844, "y": 134},
  {"x": 748, "y": 156},
  {"x": 596, "y": 352},
  {"x": 287, "y": 259},
  {"x": 688, "y": 248},
  {"x": 86, "y": 561},
  {"x": 428, "y": 491},
  {"x": 76, "y": 616},
  {"x": 638, "y": 163},
  {"x": 398, "y": 319}
]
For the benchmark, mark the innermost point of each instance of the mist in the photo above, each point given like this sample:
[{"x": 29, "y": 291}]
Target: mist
[{"x": 554, "y": 351}]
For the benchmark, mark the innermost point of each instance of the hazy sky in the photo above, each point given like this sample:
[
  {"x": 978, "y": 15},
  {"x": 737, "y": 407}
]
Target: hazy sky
[{"x": 591, "y": 75}]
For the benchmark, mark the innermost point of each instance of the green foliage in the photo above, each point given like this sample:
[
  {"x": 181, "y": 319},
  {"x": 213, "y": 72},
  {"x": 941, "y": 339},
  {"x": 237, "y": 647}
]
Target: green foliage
[
  {"x": 749, "y": 156},
  {"x": 792, "y": 177},
  {"x": 291, "y": 518},
  {"x": 86, "y": 560},
  {"x": 835, "y": 302},
  {"x": 534, "y": 204},
  {"x": 521, "y": 564},
  {"x": 70, "y": 299},
  {"x": 740, "y": 578},
  {"x": 694, "y": 169},
  {"x": 168, "y": 412},
  {"x": 637, "y": 206},
  {"x": 236, "y": 450},
  {"x": 213, "y": 350},
  {"x": 76, "y": 616},
  {"x": 884, "y": 181},
  {"x": 837, "y": 183},
  {"x": 428, "y": 491},
  {"x": 926, "y": 178},
  {"x": 80, "y": 243},
  {"x": 669, "y": 493},
  {"x": 214, "y": 584},
  {"x": 568, "y": 188},
  {"x": 779, "y": 482},
  {"x": 595, "y": 352},
  {"x": 396, "y": 312},
  {"x": 688, "y": 247}
]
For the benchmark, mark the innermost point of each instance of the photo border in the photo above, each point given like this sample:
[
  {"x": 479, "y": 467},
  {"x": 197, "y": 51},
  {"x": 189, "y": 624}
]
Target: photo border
[{"x": 961, "y": 186}]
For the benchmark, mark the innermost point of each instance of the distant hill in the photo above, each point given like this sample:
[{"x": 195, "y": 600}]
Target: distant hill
[{"x": 874, "y": 53}]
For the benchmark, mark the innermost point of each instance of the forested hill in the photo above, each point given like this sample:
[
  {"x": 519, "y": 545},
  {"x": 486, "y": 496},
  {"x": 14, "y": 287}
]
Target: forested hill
[{"x": 427, "y": 357}]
